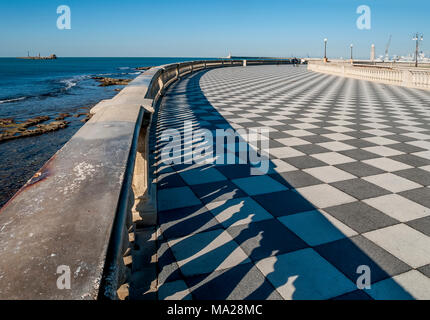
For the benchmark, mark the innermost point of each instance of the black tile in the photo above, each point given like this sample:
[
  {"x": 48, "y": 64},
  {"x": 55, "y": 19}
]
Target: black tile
[
  {"x": 420, "y": 195},
  {"x": 278, "y": 135},
  {"x": 417, "y": 175},
  {"x": 170, "y": 180},
  {"x": 296, "y": 179},
  {"x": 359, "y": 169},
  {"x": 317, "y": 138},
  {"x": 359, "y": 134},
  {"x": 411, "y": 160},
  {"x": 361, "y": 217},
  {"x": 425, "y": 270},
  {"x": 284, "y": 203},
  {"x": 242, "y": 282},
  {"x": 265, "y": 238},
  {"x": 304, "y": 162},
  {"x": 235, "y": 171},
  {"x": 359, "y": 154},
  {"x": 311, "y": 149},
  {"x": 399, "y": 138},
  {"x": 349, "y": 253},
  {"x": 404, "y": 147},
  {"x": 421, "y": 224},
  {"x": 354, "y": 295},
  {"x": 275, "y": 144},
  {"x": 217, "y": 191},
  {"x": 360, "y": 189},
  {"x": 184, "y": 221},
  {"x": 320, "y": 130},
  {"x": 358, "y": 143},
  {"x": 395, "y": 130}
]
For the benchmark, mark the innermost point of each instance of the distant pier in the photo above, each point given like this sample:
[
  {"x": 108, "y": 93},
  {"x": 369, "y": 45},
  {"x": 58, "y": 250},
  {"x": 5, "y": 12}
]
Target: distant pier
[{"x": 51, "y": 57}]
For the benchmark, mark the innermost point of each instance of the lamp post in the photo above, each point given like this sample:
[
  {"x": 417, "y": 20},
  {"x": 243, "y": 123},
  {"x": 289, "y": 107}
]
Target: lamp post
[
  {"x": 351, "y": 46},
  {"x": 417, "y": 37},
  {"x": 325, "y": 50}
]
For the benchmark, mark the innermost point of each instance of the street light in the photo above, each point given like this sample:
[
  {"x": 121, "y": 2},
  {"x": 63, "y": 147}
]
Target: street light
[
  {"x": 351, "y": 45},
  {"x": 325, "y": 50},
  {"x": 417, "y": 37}
]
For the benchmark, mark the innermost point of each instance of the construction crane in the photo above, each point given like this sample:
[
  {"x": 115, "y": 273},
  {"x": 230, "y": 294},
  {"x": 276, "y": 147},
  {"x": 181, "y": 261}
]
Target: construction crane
[{"x": 386, "y": 49}]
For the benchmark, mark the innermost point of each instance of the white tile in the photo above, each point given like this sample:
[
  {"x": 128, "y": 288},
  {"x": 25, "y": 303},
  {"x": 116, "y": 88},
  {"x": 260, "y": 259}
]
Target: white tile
[
  {"x": 206, "y": 252},
  {"x": 375, "y": 125},
  {"x": 377, "y": 132},
  {"x": 299, "y": 133},
  {"x": 392, "y": 182},
  {"x": 412, "y": 128},
  {"x": 387, "y": 164},
  {"x": 417, "y": 135},
  {"x": 304, "y": 275},
  {"x": 291, "y": 142},
  {"x": 337, "y": 136},
  {"x": 420, "y": 144},
  {"x": 380, "y": 140},
  {"x": 271, "y": 123},
  {"x": 398, "y": 207},
  {"x": 239, "y": 120},
  {"x": 317, "y": 227},
  {"x": 324, "y": 195},
  {"x": 336, "y": 146},
  {"x": 175, "y": 290},
  {"x": 329, "y": 174},
  {"x": 279, "y": 166},
  {"x": 285, "y": 152},
  {"x": 341, "y": 122},
  {"x": 383, "y": 151},
  {"x": 406, "y": 286},
  {"x": 403, "y": 242},
  {"x": 427, "y": 168},
  {"x": 238, "y": 211},
  {"x": 304, "y": 126},
  {"x": 339, "y": 129},
  {"x": 423, "y": 154},
  {"x": 332, "y": 158}
]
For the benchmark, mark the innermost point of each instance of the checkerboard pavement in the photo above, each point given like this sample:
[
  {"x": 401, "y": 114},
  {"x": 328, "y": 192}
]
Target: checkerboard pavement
[{"x": 348, "y": 185}]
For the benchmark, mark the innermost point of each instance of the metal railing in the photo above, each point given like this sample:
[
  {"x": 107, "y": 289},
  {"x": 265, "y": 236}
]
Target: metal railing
[{"x": 77, "y": 210}]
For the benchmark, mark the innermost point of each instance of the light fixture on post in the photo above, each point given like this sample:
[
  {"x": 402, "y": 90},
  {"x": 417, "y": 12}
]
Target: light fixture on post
[
  {"x": 417, "y": 37},
  {"x": 325, "y": 50},
  {"x": 351, "y": 46}
]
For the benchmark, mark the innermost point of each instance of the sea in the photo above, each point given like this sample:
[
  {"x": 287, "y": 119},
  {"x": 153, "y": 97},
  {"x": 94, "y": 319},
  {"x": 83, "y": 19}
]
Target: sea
[{"x": 31, "y": 88}]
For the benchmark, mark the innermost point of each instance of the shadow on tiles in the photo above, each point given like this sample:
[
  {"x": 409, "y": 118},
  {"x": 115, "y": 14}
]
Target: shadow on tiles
[{"x": 228, "y": 235}]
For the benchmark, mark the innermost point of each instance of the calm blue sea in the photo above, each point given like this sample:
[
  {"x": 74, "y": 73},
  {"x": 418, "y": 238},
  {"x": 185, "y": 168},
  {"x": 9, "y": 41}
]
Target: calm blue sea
[{"x": 30, "y": 88}]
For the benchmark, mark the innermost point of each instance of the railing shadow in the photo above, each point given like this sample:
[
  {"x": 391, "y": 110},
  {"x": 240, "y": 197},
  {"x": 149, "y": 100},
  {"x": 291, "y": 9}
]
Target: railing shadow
[{"x": 235, "y": 250}]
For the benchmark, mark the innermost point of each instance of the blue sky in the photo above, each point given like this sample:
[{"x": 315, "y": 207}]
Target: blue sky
[{"x": 189, "y": 28}]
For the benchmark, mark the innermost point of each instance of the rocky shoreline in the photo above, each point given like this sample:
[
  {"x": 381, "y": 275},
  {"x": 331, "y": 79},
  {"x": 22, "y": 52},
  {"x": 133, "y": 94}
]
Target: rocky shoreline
[
  {"x": 10, "y": 129},
  {"x": 105, "y": 81}
]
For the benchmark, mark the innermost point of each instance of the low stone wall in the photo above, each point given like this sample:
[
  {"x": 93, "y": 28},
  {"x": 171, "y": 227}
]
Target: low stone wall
[
  {"x": 71, "y": 220},
  {"x": 406, "y": 77}
]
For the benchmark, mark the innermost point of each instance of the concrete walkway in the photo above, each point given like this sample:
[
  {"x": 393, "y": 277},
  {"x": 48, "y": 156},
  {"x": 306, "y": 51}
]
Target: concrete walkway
[{"x": 348, "y": 185}]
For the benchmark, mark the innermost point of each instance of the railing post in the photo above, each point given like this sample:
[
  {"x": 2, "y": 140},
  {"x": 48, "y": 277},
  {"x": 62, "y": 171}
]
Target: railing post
[
  {"x": 177, "y": 71},
  {"x": 160, "y": 83},
  {"x": 407, "y": 78}
]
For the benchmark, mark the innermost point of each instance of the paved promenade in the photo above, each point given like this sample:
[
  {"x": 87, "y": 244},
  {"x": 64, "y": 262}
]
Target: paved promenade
[{"x": 348, "y": 185}]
